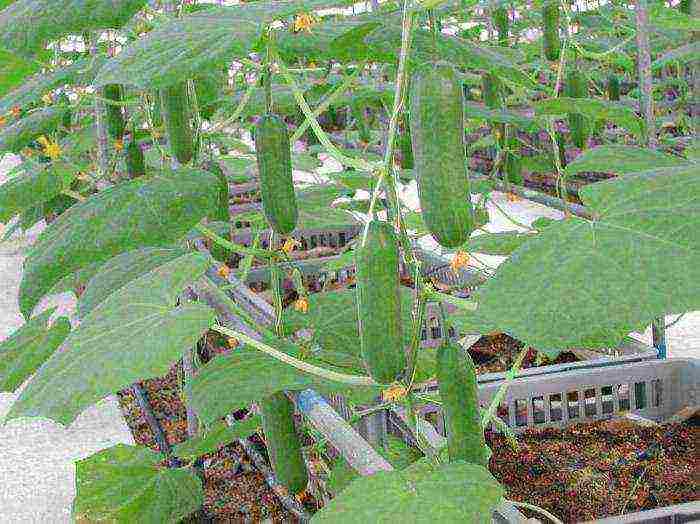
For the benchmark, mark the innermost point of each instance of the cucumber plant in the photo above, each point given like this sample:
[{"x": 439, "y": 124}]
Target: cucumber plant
[{"x": 130, "y": 241}]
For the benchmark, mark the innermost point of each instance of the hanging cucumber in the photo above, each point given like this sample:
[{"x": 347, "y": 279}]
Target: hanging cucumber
[
  {"x": 208, "y": 89},
  {"x": 499, "y": 18},
  {"x": 492, "y": 95},
  {"x": 115, "y": 117},
  {"x": 222, "y": 213},
  {"x": 613, "y": 88},
  {"x": 275, "y": 170},
  {"x": 135, "y": 162},
  {"x": 550, "y": 29},
  {"x": 176, "y": 117},
  {"x": 460, "y": 404},
  {"x": 685, "y": 6},
  {"x": 437, "y": 134},
  {"x": 283, "y": 445},
  {"x": 378, "y": 303},
  {"x": 513, "y": 164},
  {"x": 156, "y": 110},
  {"x": 579, "y": 127}
]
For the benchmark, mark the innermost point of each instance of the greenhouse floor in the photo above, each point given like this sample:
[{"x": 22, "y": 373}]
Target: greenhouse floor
[{"x": 36, "y": 456}]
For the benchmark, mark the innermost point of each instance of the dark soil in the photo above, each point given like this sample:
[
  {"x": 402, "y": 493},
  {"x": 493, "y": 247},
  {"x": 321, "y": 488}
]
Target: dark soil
[
  {"x": 496, "y": 353},
  {"x": 601, "y": 469},
  {"x": 234, "y": 491}
]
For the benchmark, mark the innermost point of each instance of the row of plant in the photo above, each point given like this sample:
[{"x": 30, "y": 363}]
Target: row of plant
[{"x": 167, "y": 75}]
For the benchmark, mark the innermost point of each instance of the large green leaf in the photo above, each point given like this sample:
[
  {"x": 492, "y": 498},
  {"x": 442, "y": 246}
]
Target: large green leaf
[
  {"x": 127, "y": 484},
  {"x": 588, "y": 284},
  {"x": 13, "y": 70},
  {"x": 332, "y": 321},
  {"x": 134, "y": 334},
  {"x": 197, "y": 43},
  {"x": 153, "y": 211},
  {"x": 501, "y": 243},
  {"x": 120, "y": 270},
  {"x": 621, "y": 160},
  {"x": 219, "y": 434},
  {"x": 593, "y": 109},
  {"x": 315, "y": 209},
  {"x": 421, "y": 493},
  {"x": 685, "y": 54},
  {"x": 672, "y": 19},
  {"x": 28, "y": 348},
  {"x": 233, "y": 381},
  {"x": 39, "y": 184},
  {"x": 474, "y": 110},
  {"x": 81, "y": 71},
  {"x": 28, "y": 24},
  {"x": 21, "y": 133}
]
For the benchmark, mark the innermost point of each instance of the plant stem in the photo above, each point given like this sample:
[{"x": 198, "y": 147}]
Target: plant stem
[
  {"x": 537, "y": 509},
  {"x": 354, "y": 380},
  {"x": 236, "y": 248},
  {"x": 510, "y": 375},
  {"x": 356, "y": 163}
]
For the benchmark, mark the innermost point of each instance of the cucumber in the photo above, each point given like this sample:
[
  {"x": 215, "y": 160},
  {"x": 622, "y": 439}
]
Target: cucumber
[
  {"x": 579, "y": 127},
  {"x": 562, "y": 149},
  {"x": 613, "y": 88},
  {"x": 115, "y": 117},
  {"x": 512, "y": 164},
  {"x": 499, "y": 18},
  {"x": 208, "y": 89},
  {"x": 176, "y": 117},
  {"x": 135, "y": 162},
  {"x": 156, "y": 111},
  {"x": 223, "y": 213},
  {"x": 283, "y": 445},
  {"x": 685, "y": 6},
  {"x": 437, "y": 135},
  {"x": 275, "y": 170},
  {"x": 68, "y": 114},
  {"x": 550, "y": 29},
  {"x": 491, "y": 91},
  {"x": 379, "y": 305},
  {"x": 460, "y": 404}
]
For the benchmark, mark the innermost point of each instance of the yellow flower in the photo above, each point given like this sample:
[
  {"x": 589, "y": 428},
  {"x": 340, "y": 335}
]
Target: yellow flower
[
  {"x": 460, "y": 260},
  {"x": 394, "y": 393},
  {"x": 224, "y": 271},
  {"x": 512, "y": 197},
  {"x": 290, "y": 244},
  {"x": 3, "y": 121},
  {"x": 301, "y": 304},
  {"x": 304, "y": 22},
  {"x": 51, "y": 149},
  {"x": 16, "y": 111},
  {"x": 232, "y": 342},
  {"x": 47, "y": 99},
  {"x": 119, "y": 144}
]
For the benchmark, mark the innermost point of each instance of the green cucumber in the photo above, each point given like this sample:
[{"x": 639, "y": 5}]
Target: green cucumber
[
  {"x": 115, "y": 117},
  {"x": 135, "y": 162},
  {"x": 275, "y": 171},
  {"x": 499, "y": 18},
  {"x": 579, "y": 126},
  {"x": 156, "y": 111},
  {"x": 613, "y": 88},
  {"x": 283, "y": 445},
  {"x": 379, "y": 305},
  {"x": 685, "y": 6},
  {"x": 550, "y": 29},
  {"x": 176, "y": 117},
  {"x": 437, "y": 135},
  {"x": 460, "y": 404},
  {"x": 512, "y": 164}
]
